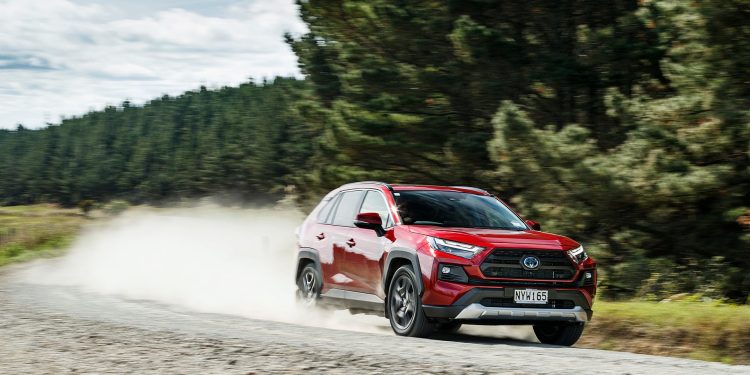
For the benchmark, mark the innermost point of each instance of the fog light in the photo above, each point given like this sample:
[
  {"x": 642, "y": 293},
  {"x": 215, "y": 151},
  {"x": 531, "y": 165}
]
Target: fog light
[
  {"x": 588, "y": 275},
  {"x": 453, "y": 273}
]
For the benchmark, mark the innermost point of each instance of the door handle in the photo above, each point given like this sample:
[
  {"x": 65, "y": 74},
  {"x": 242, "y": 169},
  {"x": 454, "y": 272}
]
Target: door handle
[
  {"x": 321, "y": 236},
  {"x": 351, "y": 242}
]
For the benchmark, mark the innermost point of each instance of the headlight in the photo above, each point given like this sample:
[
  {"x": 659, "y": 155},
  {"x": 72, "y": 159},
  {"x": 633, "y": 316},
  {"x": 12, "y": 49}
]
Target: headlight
[
  {"x": 578, "y": 254},
  {"x": 461, "y": 249}
]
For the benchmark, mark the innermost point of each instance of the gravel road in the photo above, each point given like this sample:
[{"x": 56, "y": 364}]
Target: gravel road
[{"x": 57, "y": 329}]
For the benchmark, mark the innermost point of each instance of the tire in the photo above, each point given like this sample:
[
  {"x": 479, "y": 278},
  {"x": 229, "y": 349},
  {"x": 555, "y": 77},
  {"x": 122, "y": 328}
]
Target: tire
[
  {"x": 558, "y": 334},
  {"x": 405, "y": 306},
  {"x": 309, "y": 284},
  {"x": 449, "y": 327}
]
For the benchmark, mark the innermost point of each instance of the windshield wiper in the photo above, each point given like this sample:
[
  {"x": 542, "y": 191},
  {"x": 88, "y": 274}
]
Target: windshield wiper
[
  {"x": 450, "y": 225},
  {"x": 499, "y": 228},
  {"x": 426, "y": 222}
]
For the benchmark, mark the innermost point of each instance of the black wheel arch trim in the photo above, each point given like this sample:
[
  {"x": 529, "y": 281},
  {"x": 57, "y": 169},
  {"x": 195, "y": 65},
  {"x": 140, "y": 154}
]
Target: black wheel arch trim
[
  {"x": 308, "y": 254},
  {"x": 406, "y": 254}
]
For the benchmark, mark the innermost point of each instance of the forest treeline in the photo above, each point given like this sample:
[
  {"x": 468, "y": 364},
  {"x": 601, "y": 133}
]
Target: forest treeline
[
  {"x": 624, "y": 126},
  {"x": 241, "y": 142}
]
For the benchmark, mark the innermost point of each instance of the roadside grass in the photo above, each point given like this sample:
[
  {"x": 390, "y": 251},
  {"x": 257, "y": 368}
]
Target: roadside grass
[
  {"x": 709, "y": 331},
  {"x": 36, "y": 231}
]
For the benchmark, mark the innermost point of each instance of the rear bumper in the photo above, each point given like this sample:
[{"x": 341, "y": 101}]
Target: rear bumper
[{"x": 470, "y": 308}]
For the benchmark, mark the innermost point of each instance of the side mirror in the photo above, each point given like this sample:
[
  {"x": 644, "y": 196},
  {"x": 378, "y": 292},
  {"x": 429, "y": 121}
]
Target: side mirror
[
  {"x": 534, "y": 225},
  {"x": 370, "y": 220}
]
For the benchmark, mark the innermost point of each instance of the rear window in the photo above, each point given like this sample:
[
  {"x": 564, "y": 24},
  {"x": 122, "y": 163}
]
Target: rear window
[{"x": 347, "y": 208}]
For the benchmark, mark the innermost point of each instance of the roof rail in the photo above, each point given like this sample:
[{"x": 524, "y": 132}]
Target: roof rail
[
  {"x": 378, "y": 182},
  {"x": 472, "y": 188}
]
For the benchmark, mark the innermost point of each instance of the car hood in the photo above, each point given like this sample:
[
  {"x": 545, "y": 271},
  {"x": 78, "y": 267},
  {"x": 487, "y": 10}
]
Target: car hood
[{"x": 498, "y": 237}]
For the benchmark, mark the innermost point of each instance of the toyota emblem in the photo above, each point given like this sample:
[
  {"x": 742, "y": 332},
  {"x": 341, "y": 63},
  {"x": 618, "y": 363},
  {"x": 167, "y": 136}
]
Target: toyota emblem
[{"x": 530, "y": 262}]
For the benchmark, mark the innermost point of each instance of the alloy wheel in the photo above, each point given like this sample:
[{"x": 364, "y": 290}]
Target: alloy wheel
[
  {"x": 403, "y": 303},
  {"x": 308, "y": 290}
]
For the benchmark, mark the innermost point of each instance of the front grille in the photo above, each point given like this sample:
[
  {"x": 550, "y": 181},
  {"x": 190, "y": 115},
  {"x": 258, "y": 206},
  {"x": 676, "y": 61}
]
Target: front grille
[
  {"x": 505, "y": 283},
  {"x": 506, "y": 263},
  {"x": 508, "y": 302}
]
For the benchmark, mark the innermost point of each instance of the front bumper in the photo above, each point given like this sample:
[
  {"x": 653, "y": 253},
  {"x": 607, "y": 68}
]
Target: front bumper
[
  {"x": 481, "y": 312},
  {"x": 471, "y": 308}
]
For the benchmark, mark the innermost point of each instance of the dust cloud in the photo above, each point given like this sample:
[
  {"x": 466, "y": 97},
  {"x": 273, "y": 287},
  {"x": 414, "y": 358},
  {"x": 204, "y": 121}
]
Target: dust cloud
[{"x": 207, "y": 259}]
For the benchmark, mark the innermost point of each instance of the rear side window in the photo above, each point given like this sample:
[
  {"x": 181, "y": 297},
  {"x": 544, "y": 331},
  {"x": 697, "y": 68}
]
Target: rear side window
[
  {"x": 347, "y": 208},
  {"x": 326, "y": 210},
  {"x": 374, "y": 202}
]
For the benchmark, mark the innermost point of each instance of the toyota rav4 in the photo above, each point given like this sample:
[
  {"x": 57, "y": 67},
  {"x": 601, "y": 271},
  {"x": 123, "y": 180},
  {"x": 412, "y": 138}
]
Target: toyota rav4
[{"x": 430, "y": 258}]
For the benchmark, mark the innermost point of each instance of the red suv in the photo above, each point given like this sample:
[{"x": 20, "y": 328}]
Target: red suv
[{"x": 430, "y": 258}]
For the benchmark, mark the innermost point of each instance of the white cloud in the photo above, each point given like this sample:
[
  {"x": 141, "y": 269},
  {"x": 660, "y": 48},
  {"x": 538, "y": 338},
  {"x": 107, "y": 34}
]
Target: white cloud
[
  {"x": 125, "y": 71},
  {"x": 63, "y": 58}
]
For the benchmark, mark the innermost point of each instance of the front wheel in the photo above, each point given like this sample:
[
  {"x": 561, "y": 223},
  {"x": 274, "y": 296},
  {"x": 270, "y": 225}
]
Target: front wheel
[
  {"x": 558, "y": 334},
  {"x": 405, "y": 306}
]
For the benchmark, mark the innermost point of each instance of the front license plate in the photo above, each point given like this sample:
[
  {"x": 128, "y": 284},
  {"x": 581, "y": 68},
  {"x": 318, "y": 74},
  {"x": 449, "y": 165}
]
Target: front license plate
[{"x": 530, "y": 296}]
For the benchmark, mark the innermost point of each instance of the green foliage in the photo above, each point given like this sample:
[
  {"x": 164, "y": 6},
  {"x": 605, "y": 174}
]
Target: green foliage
[
  {"x": 624, "y": 126},
  {"x": 115, "y": 207},
  {"x": 407, "y": 90},
  {"x": 240, "y": 142},
  {"x": 29, "y": 232},
  {"x": 661, "y": 210},
  {"x": 705, "y": 331},
  {"x": 86, "y": 206}
]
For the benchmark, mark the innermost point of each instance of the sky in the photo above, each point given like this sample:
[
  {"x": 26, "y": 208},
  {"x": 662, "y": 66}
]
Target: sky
[{"x": 62, "y": 58}]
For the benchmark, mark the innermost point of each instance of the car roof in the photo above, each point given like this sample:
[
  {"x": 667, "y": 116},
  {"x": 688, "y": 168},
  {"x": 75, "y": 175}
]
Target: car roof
[
  {"x": 462, "y": 189},
  {"x": 415, "y": 187}
]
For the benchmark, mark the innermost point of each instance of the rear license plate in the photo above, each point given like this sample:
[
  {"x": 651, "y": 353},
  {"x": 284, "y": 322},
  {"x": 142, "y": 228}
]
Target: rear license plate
[{"x": 530, "y": 296}]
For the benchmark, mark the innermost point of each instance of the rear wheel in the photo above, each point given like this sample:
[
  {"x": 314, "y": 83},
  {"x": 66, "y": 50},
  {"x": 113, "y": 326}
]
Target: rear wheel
[
  {"x": 558, "y": 334},
  {"x": 308, "y": 286},
  {"x": 405, "y": 306}
]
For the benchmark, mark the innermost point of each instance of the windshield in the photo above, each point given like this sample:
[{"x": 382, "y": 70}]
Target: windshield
[{"x": 455, "y": 209}]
